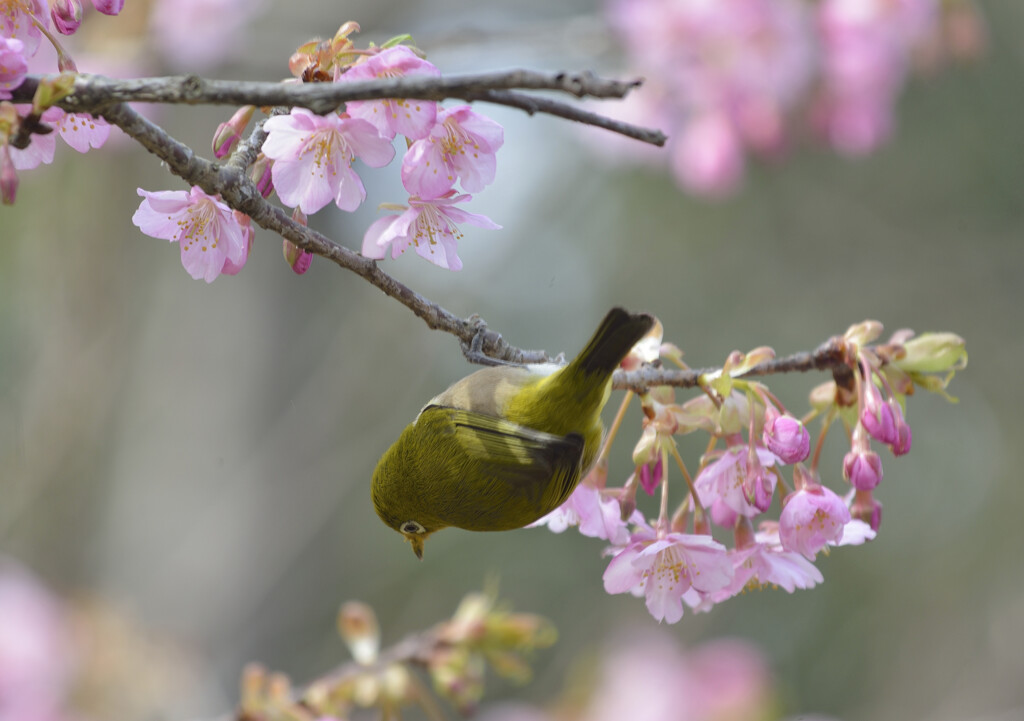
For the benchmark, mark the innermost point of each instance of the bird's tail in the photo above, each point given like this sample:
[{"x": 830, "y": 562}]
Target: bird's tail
[{"x": 618, "y": 333}]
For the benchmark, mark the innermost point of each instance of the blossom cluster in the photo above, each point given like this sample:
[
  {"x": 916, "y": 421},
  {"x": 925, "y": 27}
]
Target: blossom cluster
[
  {"x": 735, "y": 77},
  {"x": 23, "y": 24},
  {"x": 682, "y": 559},
  {"x": 308, "y": 160}
]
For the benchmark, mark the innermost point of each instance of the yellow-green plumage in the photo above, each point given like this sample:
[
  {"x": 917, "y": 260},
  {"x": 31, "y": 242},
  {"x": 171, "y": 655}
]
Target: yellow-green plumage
[{"x": 505, "y": 445}]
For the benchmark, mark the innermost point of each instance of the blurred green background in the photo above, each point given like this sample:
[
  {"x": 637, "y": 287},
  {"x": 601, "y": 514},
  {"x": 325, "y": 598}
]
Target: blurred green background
[{"x": 199, "y": 455}]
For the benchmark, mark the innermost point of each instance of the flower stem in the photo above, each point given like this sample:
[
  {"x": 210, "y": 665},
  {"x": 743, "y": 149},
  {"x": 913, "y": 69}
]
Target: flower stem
[
  {"x": 614, "y": 428},
  {"x": 826, "y": 424}
]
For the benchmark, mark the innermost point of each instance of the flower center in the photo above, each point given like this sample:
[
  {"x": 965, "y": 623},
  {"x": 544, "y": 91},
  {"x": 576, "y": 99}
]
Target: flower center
[
  {"x": 196, "y": 226},
  {"x": 432, "y": 222}
]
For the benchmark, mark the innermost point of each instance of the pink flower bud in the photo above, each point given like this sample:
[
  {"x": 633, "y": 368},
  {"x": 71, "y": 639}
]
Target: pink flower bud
[
  {"x": 901, "y": 445},
  {"x": 758, "y": 486},
  {"x": 230, "y": 133},
  {"x": 650, "y": 476},
  {"x": 66, "y": 15},
  {"x": 867, "y": 509},
  {"x": 8, "y": 176},
  {"x": 863, "y": 469},
  {"x": 296, "y": 257},
  {"x": 876, "y": 414},
  {"x": 786, "y": 437},
  {"x": 260, "y": 174},
  {"x": 108, "y": 7}
]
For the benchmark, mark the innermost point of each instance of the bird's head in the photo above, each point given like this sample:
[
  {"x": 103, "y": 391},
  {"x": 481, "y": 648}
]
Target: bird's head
[{"x": 415, "y": 534}]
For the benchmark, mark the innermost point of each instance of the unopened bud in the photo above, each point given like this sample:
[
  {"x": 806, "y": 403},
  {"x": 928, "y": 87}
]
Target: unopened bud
[
  {"x": 66, "y": 15},
  {"x": 650, "y": 475},
  {"x": 877, "y": 415},
  {"x": 786, "y": 437},
  {"x": 229, "y": 133},
  {"x": 260, "y": 174},
  {"x": 108, "y": 7},
  {"x": 863, "y": 469}
]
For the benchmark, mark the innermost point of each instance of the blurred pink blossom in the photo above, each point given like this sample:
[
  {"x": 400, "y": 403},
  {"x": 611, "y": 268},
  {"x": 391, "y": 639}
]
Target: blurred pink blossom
[
  {"x": 35, "y": 648},
  {"x": 13, "y": 65},
  {"x": 16, "y": 22},
  {"x": 866, "y": 48},
  {"x": 197, "y": 34}
]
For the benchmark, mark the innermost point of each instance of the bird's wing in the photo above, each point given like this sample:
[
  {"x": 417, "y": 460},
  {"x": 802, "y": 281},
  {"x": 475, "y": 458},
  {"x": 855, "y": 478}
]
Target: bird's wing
[{"x": 533, "y": 462}]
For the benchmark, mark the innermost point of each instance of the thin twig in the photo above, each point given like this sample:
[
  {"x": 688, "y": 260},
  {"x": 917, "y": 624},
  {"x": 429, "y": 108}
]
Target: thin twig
[{"x": 92, "y": 93}]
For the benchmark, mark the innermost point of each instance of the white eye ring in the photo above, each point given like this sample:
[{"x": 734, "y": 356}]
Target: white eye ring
[{"x": 412, "y": 527}]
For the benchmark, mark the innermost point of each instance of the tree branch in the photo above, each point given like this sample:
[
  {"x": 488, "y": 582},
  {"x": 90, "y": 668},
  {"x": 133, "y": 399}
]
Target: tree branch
[
  {"x": 831, "y": 355},
  {"x": 93, "y": 93}
]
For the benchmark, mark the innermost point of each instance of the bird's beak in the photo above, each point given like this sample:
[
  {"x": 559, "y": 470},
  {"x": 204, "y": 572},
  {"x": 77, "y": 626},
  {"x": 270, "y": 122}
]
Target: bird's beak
[{"x": 417, "y": 545}]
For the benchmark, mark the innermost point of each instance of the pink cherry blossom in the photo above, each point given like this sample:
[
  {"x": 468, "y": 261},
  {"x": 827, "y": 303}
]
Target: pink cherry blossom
[
  {"x": 82, "y": 131},
  {"x": 41, "y": 148},
  {"x": 461, "y": 145},
  {"x": 412, "y": 118},
  {"x": 766, "y": 563},
  {"x": 313, "y": 157},
  {"x": 430, "y": 225},
  {"x": 664, "y": 568},
  {"x": 786, "y": 437},
  {"x": 213, "y": 240},
  {"x": 812, "y": 517},
  {"x": 855, "y": 533},
  {"x": 233, "y": 267},
  {"x": 16, "y": 22},
  {"x": 13, "y": 65},
  {"x": 745, "y": 490},
  {"x": 598, "y": 515}
]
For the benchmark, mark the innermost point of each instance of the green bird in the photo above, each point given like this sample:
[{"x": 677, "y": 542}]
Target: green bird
[{"x": 504, "y": 446}]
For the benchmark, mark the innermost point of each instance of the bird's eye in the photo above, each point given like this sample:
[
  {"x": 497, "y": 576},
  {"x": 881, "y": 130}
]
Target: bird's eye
[{"x": 412, "y": 527}]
